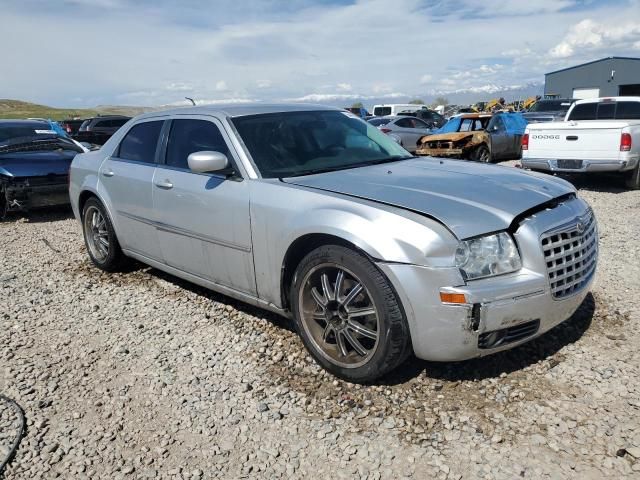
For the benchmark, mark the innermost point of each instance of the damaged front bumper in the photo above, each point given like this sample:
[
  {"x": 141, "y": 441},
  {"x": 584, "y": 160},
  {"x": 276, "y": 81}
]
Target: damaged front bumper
[
  {"x": 28, "y": 193},
  {"x": 442, "y": 152},
  {"x": 500, "y": 312}
]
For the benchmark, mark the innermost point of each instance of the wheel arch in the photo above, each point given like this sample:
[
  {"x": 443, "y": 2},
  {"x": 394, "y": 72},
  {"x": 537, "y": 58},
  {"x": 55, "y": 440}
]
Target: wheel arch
[{"x": 301, "y": 247}]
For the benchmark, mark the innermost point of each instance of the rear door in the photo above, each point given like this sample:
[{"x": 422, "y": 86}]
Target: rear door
[
  {"x": 410, "y": 129},
  {"x": 126, "y": 182},
  {"x": 501, "y": 141},
  {"x": 204, "y": 225}
]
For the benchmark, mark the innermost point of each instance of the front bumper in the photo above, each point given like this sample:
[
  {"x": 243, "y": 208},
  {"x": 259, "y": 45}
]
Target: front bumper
[
  {"x": 551, "y": 165},
  {"x": 452, "y": 332},
  {"x": 441, "y": 152},
  {"x": 23, "y": 195}
]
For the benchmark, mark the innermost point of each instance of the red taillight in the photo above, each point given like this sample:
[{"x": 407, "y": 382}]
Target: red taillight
[
  {"x": 525, "y": 141},
  {"x": 385, "y": 130},
  {"x": 625, "y": 142}
]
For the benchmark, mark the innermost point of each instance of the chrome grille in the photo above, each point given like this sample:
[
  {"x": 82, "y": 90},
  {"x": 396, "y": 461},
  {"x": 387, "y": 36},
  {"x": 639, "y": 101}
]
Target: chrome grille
[{"x": 571, "y": 254}]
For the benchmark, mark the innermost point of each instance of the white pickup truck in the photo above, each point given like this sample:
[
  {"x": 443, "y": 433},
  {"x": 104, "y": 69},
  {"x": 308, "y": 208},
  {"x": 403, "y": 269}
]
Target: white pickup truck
[{"x": 597, "y": 135}]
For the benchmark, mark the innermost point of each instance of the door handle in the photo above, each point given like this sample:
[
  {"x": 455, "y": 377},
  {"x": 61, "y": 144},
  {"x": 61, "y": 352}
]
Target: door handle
[
  {"x": 108, "y": 173},
  {"x": 165, "y": 185}
]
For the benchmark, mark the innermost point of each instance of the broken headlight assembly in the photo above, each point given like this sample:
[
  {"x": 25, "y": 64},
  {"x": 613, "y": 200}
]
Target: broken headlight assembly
[{"x": 487, "y": 256}]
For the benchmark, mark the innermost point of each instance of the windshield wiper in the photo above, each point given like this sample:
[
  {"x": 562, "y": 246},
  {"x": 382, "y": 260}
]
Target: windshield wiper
[{"x": 368, "y": 163}]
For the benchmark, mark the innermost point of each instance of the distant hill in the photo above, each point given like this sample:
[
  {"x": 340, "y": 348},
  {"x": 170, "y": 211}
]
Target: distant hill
[{"x": 20, "y": 109}]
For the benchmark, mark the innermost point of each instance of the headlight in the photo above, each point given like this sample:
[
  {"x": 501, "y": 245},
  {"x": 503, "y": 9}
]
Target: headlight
[{"x": 488, "y": 256}]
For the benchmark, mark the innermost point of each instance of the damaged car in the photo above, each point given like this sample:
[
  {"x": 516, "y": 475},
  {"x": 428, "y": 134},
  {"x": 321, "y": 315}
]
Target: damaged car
[
  {"x": 34, "y": 165},
  {"x": 312, "y": 213},
  {"x": 477, "y": 136}
]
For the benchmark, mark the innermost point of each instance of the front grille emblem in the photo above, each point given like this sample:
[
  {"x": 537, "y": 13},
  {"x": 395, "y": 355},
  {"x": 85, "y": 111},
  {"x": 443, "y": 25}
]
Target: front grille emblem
[{"x": 580, "y": 227}]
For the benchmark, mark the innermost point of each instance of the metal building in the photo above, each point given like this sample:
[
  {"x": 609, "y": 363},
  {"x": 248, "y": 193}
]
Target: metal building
[{"x": 608, "y": 77}]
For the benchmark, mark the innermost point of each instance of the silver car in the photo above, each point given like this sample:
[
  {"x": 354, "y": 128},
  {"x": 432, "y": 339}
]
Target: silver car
[
  {"x": 314, "y": 214},
  {"x": 408, "y": 129}
]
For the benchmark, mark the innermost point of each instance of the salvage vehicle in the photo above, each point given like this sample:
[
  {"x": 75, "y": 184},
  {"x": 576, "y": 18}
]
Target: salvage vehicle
[
  {"x": 548, "y": 110},
  {"x": 34, "y": 165},
  {"x": 599, "y": 135},
  {"x": 98, "y": 130},
  {"x": 408, "y": 129},
  {"x": 476, "y": 136},
  {"x": 312, "y": 213}
]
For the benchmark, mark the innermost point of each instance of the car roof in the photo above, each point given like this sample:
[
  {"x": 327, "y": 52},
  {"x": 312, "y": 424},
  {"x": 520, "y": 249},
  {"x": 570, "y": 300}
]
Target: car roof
[
  {"x": 11, "y": 122},
  {"x": 608, "y": 99},
  {"x": 476, "y": 115},
  {"x": 241, "y": 110}
]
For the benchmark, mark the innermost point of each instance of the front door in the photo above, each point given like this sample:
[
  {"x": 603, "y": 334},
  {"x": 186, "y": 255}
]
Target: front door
[
  {"x": 126, "y": 181},
  {"x": 501, "y": 141},
  {"x": 204, "y": 226}
]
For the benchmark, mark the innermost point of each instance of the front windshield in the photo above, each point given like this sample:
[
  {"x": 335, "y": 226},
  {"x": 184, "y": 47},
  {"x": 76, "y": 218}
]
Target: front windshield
[
  {"x": 551, "y": 106},
  {"x": 289, "y": 144}
]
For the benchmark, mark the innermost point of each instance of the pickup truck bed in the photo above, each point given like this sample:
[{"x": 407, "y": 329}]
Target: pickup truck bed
[{"x": 584, "y": 144}]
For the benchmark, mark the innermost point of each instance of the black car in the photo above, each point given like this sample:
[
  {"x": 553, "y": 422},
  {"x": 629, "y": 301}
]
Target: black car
[
  {"x": 34, "y": 165},
  {"x": 548, "y": 110},
  {"x": 71, "y": 126},
  {"x": 433, "y": 119},
  {"x": 98, "y": 130}
]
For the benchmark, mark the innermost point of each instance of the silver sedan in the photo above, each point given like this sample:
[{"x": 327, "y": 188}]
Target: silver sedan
[
  {"x": 408, "y": 129},
  {"x": 314, "y": 214}
]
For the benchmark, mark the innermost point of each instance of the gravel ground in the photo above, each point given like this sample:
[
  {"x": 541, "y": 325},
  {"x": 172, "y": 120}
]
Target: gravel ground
[{"x": 141, "y": 375}]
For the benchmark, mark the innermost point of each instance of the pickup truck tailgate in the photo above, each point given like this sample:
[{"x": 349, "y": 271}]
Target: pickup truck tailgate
[{"x": 575, "y": 140}]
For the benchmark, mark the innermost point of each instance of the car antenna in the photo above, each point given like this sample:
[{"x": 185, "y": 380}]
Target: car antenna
[{"x": 193, "y": 102}]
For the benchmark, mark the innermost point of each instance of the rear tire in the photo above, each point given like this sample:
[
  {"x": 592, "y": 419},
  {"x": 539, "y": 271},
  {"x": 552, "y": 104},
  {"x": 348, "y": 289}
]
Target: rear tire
[
  {"x": 632, "y": 180},
  {"x": 100, "y": 237},
  {"x": 482, "y": 154},
  {"x": 348, "y": 315}
]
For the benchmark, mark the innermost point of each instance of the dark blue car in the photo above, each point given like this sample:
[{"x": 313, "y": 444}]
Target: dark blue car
[{"x": 34, "y": 165}]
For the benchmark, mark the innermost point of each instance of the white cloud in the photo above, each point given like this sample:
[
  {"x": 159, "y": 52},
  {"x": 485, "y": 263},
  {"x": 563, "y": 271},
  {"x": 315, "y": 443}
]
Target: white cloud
[
  {"x": 427, "y": 78},
  {"x": 264, "y": 84},
  {"x": 344, "y": 87},
  {"x": 221, "y": 86},
  {"x": 179, "y": 87},
  {"x": 591, "y": 36}
]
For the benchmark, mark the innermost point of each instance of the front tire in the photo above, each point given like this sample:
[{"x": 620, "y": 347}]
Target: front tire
[
  {"x": 482, "y": 154},
  {"x": 632, "y": 180},
  {"x": 348, "y": 315},
  {"x": 100, "y": 237}
]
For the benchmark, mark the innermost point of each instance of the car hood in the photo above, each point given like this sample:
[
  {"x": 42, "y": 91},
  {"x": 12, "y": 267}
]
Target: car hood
[
  {"x": 36, "y": 164},
  {"x": 453, "y": 136},
  {"x": 468, "y": 197}
]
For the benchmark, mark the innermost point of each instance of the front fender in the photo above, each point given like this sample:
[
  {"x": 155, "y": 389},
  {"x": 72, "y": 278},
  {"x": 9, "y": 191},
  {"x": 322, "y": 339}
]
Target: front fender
[{"x": 385, "y": 233}]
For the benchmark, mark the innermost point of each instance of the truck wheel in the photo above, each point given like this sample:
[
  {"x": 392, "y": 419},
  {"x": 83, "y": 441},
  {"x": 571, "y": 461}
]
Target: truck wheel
[
  {"x": 100, "y": 237},
  {"x": 632, "y": 180},
  {"x": 482, "y": 154},
  {"x": 348, "y": 315}
]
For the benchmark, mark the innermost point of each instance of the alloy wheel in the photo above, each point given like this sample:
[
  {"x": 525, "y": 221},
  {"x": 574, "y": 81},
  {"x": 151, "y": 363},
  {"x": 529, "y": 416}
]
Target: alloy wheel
[
  {"x": 338, "y": 314},
  {"x": 95, "y": 228}
]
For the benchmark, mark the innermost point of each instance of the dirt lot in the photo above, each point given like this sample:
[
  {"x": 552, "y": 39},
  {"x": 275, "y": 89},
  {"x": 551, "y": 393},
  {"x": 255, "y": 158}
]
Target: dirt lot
[{"x": 141, "y": 375}]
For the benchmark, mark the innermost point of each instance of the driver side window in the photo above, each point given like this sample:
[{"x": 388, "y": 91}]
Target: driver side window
[{"x": 190, "y": 135}]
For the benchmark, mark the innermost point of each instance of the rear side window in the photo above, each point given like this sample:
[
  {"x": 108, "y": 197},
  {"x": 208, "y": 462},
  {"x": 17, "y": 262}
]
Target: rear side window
[
  {"x": 188, "y": 136},
  {"x": 382, "y": 111},
  {"x": 406, "y": 123},
  {"x": 606, "y": 111},
  {"x": 584, "y": 111},
  {"x": 628, "y": 111},
  {"x": 140, "y": 142},
  {"x": 119, "y": 123}
]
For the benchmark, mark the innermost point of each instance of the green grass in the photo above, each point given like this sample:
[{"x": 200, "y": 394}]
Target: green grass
[{"x": 20, "y": 109}]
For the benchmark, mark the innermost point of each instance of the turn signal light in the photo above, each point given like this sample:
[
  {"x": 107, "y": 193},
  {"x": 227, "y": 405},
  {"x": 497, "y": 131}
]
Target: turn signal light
[
  {"x": 452, "y": 297},
  {"x": 625, "y": 142},
  {"x": 385, "y": 130},
  {"x": 525, "y": 141}
]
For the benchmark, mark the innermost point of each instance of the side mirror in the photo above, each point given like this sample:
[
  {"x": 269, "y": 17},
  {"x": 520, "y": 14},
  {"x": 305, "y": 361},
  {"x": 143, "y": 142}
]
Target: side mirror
[{"x": 207, "y": 162}]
